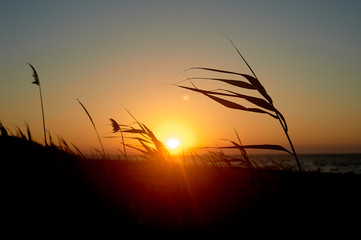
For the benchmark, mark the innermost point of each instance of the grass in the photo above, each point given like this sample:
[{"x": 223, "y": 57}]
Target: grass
[
  {"x": 95, "y": 129},
  {"x": 150, "y": 146},
  {"x": 53, "y": 187},
  {"x": 37, "y": 82},
  {"x": 58, "y": 190},
  {"x": 262, "y": 105}
]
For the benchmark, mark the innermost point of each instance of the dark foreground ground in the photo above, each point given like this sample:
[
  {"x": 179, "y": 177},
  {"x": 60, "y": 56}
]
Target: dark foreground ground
[{"x": 45, "y": 191}]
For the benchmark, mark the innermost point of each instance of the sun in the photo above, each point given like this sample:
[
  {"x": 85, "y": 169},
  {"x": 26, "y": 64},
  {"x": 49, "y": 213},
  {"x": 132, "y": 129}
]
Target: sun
[
  {"x": 173, "y": 143},
  {"x": 177, "y": 137}
]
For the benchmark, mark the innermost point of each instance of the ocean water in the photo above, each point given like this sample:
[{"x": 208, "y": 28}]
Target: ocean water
[
  {"x": 328, "y": 163},
  {"x": 331, "y": 163}
]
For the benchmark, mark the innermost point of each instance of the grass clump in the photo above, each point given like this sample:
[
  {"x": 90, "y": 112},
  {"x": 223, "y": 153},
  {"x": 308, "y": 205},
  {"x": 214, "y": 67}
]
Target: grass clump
[
  {"x": 262, "y": 105},
  {"x": 150, "y": 146}
]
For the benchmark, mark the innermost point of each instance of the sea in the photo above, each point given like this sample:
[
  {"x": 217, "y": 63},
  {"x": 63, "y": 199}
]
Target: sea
[{"x": 328, "y": 163}]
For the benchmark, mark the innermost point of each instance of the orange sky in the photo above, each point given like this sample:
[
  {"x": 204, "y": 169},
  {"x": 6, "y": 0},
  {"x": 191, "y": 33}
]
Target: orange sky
[{"x": 114, "y": 56}]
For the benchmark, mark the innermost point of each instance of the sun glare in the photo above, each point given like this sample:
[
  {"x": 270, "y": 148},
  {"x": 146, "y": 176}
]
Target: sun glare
[
  {"x": 176, "y": 136},
  {"x": 173, "y": 143}
]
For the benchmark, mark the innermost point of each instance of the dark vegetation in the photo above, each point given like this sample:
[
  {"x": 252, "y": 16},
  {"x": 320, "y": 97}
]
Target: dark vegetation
[{"x": 50, "y": 188}]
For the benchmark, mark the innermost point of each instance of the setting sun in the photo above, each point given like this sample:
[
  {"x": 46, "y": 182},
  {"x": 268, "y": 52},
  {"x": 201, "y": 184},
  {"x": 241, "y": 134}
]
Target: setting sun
[
  {"x": 176, "y": 136},
  {"x": 173, "y": 143}
]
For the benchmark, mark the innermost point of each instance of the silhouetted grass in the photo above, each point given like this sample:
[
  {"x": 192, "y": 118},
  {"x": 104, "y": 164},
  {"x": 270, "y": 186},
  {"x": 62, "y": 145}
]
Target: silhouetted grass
[
  {"x": 262, "y": 105},
  {"x": 51, "y": 187},
  {"x": 150, "y": 146},
  {"x": 37, "y": 82},
  {"x": 96, "y": 131}
]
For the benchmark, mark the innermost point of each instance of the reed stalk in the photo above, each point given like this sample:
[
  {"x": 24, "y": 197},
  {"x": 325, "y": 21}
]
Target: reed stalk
[
  {"x": 95, "y": 128},
  {"x": 263, "y": 104},
  {"x": 150, "y": 145},
  {"x": 37, "y": 82}
]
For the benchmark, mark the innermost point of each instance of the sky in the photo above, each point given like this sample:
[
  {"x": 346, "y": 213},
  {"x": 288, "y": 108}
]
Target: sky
[{"x": 117, "y": 55}]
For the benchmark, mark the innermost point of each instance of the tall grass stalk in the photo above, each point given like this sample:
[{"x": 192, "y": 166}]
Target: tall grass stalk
[
  {"x": 263, "y": 105},
  {"x": 152, "y": 148},
  {"x": 281, "y": 119},
  {"x": 92, "y": 122},
  {"x": 37, "y": 82}
]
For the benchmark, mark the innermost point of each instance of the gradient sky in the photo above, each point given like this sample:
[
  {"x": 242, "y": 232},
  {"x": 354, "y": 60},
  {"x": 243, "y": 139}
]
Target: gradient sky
[{"x": 116, "y": 54}]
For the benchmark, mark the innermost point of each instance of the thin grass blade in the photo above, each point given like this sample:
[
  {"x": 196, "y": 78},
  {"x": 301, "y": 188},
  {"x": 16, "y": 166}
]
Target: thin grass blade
[
  {"x": 228, "y": 103},
  {"x": 140, "y": 150},
  {"x": 254, "y": 81},
  {"x": 283, "y": 120},
  {"x": 139, "y": 139},
  {"x": 261, "y": 146},
  {"x": 233, "y": 105},
  {"x": 125, "y": 152},
  {"x": 257, "y": 101},
  {"x": 150, "y": 134},
  {"x": 267, "y": 146},
  {"x": 86, "y": 111},
  {"x": 146, "y": 147},
  {"x": 65, "y": 144},
  {"x": 241, "y": 55},
  {"x": 243, "y": 151},
  {"x": 29, "y": 133},
  {"x": 237, "y": 83},
  {"x": 140, "y": 125},
  {"x": 96, "y": 131},
  {"x": 78, "y": 150},
  {"x": 133, "y": 131},
  {"x": 21, "y": 134}
]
